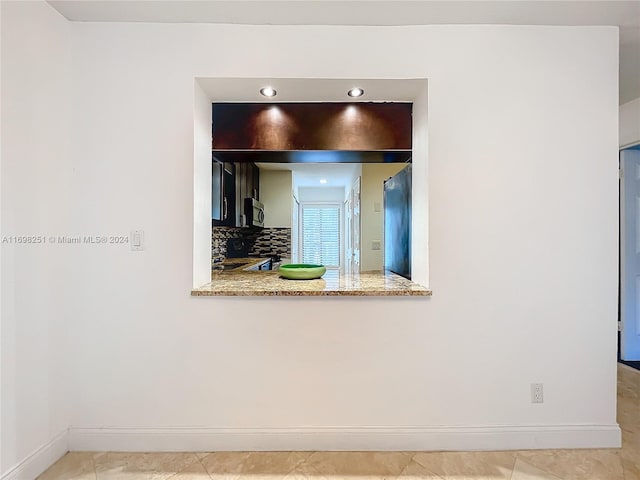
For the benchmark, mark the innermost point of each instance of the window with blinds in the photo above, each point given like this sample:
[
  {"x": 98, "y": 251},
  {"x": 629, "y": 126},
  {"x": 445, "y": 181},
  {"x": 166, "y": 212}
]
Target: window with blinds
[{"x": 320, "y": 234}]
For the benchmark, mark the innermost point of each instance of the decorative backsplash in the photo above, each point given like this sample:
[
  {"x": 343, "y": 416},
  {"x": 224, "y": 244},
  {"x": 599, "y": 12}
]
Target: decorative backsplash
[
  {"x": 264, "y": 241},
  {"x": 273, "y": 241}
]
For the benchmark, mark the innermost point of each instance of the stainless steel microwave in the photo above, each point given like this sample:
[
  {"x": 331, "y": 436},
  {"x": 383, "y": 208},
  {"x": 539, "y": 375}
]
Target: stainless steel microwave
[{"x": 254, "y": 212}]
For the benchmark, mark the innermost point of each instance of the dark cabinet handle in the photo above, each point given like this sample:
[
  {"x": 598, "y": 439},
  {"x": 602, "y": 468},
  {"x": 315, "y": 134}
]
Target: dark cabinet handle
[{"x": 224, "y": 208}]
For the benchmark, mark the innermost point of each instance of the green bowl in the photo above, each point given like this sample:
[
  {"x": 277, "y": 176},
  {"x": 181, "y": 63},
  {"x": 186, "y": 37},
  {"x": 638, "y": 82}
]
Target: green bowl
[{"x": 301, "y": 271}]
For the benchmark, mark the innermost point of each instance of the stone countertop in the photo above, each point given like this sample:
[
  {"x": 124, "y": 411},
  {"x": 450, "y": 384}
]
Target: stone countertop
[
  {"x": 247, "y": 262},
  {"x": 332, "y": 283}
]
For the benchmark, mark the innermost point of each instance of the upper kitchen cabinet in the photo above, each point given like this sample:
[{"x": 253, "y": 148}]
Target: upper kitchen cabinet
[
  {"x": 231, "y": 183},
  {"x": 248, "y": 180},
  {"x": 255, "y": 181},
  {"x": 247, "y": 186},
  {"x": 290, "y": 131},
  {"x": 223, "y": 198}
]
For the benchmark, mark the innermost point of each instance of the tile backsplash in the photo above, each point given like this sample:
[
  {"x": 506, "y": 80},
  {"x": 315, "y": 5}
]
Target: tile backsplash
[{"x": 264, "y": 241}]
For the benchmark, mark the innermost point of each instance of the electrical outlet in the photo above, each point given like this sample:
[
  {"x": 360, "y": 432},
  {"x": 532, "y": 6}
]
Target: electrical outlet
[
  {"x": 537, "y": 393},
  {"x": 375, "y": 245}
]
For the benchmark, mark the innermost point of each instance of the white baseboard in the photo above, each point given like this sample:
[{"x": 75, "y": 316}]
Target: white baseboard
[
  {"x": 344, "y": 438},
  {"x": 40, "y": 459}
]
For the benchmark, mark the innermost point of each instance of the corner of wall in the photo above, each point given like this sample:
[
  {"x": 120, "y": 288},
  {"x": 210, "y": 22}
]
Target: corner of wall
[
  {"x": 201, "y": 186},
  {"x": 40, "y": 459},
  {"x": 629, "y": 123},
  {"x": 36, "y": 192}
]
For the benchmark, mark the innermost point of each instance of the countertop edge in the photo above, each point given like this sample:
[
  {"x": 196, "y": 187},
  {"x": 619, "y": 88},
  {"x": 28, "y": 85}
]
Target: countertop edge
[
  {"x": 299, "y": 293},
  {"x": 333, "y": 284}
]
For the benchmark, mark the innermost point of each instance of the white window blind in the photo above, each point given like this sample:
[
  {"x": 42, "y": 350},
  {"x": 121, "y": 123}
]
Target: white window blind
[{"x": 321, "y": 235}]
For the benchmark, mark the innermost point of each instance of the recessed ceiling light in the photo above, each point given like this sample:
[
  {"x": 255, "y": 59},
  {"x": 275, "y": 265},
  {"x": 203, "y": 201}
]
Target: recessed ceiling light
[
  {"x": 323, "y": 180},
  {"x": 268, "y": 92},
  {"x": 355, "y": 92}
]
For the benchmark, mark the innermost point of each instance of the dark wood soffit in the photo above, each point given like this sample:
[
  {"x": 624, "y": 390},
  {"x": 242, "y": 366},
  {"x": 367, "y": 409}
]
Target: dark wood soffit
[
  {"x": 313, "y": 156},
  {"x": 312, "y": 126}
]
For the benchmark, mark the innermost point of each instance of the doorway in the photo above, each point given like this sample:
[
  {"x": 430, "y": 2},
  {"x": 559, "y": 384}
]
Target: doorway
[{"x": 629, "y": 301}]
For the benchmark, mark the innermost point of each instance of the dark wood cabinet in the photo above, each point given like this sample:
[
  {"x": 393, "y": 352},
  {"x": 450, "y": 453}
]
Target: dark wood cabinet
[
  {"x": 251, "y": 181},
  {"x": 231, "y": 183},
  {"x": 255, "y": 181},
  {"x": 350, "y": 126},
  {"x": 229, "y": 194},
  {"x": 342, "y": 132},
  {"x": 223, "y": 193},
  {"x": 247, "y": 186},
  {"x": 240, "y": 193}
]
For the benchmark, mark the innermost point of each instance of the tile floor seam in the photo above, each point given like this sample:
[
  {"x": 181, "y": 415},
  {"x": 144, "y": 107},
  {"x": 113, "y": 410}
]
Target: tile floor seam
[
  {"x": 513, "y": 470},
  {"x": 547, "y": 472},
  {"x": 95, "y": 470},
  {"x": 433, "y": 473},
  {"x": 518, "y": 455},
  {"x": 513, "y": 467},
  {"x": 202, "y": 465},
  {"x": 423, "y": 466},
  {"x": 292, "y": 470},
  {"x": 412, "y": 455},
  {"x": 186, "y": 466}
]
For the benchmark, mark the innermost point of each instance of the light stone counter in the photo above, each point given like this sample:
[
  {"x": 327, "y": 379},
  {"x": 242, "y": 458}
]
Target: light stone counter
[
  {"x": 332, "y": 283},
  {"x": 247, "y": 262}
]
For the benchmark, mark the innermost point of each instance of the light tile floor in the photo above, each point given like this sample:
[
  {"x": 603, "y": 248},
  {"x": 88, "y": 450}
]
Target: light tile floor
[{"x": 611, "y": 464}]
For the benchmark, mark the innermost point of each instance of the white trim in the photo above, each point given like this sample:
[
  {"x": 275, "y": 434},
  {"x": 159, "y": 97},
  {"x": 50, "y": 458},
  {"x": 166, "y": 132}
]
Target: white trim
[
  {"x": 319, "y": 204},
  {"x": 40, "y": 459},
  {"x": 345, "y": 438}
]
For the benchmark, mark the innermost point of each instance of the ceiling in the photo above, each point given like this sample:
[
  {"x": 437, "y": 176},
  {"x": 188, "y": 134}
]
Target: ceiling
[
  {"x": 624, "y": 14},
  {"x": 297, "y": 89},
  {"x": 309, "y": 174}
]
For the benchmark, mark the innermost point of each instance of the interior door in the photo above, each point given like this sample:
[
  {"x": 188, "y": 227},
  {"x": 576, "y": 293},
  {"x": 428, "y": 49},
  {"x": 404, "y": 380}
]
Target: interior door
[
  {"x": 347, "y": 234},
  {"x": 355, "y": 226},
  {"x": 630, "y": 254},
  {"x": 295, "y": 231}
]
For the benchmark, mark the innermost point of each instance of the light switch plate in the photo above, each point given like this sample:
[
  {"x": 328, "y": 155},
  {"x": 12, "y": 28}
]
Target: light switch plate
[
  {"x": 137, "y": 240},
  {"x": 375, "y": 245}
]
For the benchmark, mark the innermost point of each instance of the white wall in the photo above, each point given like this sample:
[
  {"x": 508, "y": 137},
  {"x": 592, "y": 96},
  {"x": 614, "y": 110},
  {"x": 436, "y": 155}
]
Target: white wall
[
  {"x": 201, "y": 185},
  {"x": 372, "y": 219},
  {"x": 37, "y": 199},
  {"x": 321, "y": 194},
  {"x": 420, "y": 194},
  {"x": 276, "y": 192},
  {"x": 524, "y": 290},
  {"x": 630, "y": 123}
]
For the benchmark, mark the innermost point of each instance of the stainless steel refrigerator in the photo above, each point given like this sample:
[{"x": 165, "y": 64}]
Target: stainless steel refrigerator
[{"x": 397, "y": 223}]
